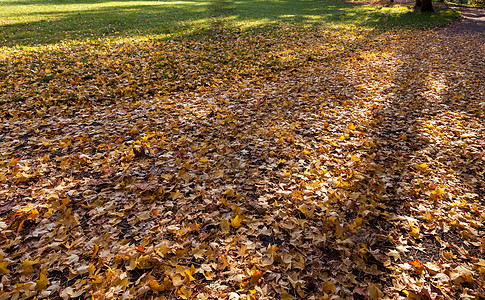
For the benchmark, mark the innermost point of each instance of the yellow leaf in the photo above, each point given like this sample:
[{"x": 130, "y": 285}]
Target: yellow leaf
[
  {"x": 33, "y": 214},
  {"x": 27, "y": 266},
  {"x": 91, "y": 269},
  {"x": 155, "y": 286},
  {"x": 414, "y": 230},
  {"x": 22, "y": 177},
  {"x": 96, "y": 279},
  {"x": 483, "y": 215},
  {"x": 229, "y": 192},
  {"x": 198, "y": 252},
  {"x": 167, "y": 283},
  {"x": 14, "y": 161},
  {"x": 95, "y": 251},
  {"x": 65, "y": 201},
  {"x": 163, "y": 249},
  {"x": 184, "y": 293},
  {"x": 41, "y": 283},
  {"x": 236, "y": 222},
  {"x": 255, "y": 276},
  {"x": 192, "y": 270},
  {"x": 404, "y": 137},
  {"x": 423, "y": 167},
  {"x": 252, "y": 295},
  {"x": 307, "y": 210},
  {"x": 358, "y": 221},
  {"x": 208, "y": 275},
  {"x": 188, "y": 275},
  {"x": 297, "y": 194},
  {"x": 355, "y": 158}
]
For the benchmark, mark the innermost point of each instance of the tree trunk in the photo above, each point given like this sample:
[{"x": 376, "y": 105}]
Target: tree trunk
[
  {"x": 417, "y": 5},
  {"x": 427, "y": 5}
]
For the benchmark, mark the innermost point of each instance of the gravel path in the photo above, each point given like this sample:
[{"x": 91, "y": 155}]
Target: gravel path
[{"x": 472, "y": 21}]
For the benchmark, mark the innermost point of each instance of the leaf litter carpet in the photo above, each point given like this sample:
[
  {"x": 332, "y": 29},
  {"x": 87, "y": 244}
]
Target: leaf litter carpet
[{"x": 291, "y": 163}]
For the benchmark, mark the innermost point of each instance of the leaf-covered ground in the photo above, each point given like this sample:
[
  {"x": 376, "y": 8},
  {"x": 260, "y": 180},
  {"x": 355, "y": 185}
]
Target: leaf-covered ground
[{"x": 250, "y": 164}]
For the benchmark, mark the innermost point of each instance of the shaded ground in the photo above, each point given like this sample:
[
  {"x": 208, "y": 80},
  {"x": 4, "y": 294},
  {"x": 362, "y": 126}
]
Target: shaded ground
[{"x": 472, "y": 20}]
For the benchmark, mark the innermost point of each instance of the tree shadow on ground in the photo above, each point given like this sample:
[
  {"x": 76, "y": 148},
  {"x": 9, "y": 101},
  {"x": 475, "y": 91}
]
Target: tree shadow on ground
[{"x": 421, "y": 162}]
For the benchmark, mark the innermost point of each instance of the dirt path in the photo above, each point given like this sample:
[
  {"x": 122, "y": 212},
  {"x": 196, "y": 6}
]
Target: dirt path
[{"x": 472, "y": 21}]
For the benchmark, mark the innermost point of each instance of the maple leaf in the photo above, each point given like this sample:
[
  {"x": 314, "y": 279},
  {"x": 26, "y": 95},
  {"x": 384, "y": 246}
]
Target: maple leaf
[
  {"x": 415, "y": 232},
  {"x": 184, "y": 293},
  {"x": 236, "y": 222},
  {"x": 155, "y": 286},
  {"x": 416, "y": 264},
  {"x": 27, "y": 266},
  {"x": 41, "y": 282},
  {"x": 255, "y": 276}
]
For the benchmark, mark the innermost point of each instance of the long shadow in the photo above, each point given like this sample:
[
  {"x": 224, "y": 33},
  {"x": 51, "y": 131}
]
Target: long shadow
[{"x": 408, "y": 146}]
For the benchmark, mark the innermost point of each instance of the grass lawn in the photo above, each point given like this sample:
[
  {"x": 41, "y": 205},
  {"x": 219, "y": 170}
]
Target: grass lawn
[{"x": 27, "y": 23}]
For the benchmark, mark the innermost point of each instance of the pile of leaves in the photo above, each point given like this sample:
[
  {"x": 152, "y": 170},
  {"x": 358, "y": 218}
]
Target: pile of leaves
[{"x": 287, "y": 163}]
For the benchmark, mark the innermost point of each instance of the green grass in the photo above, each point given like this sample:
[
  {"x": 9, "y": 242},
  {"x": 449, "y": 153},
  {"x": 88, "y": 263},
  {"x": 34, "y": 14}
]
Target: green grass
[{"x": 40, "y": 22}]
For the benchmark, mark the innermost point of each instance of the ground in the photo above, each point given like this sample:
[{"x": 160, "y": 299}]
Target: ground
[
  {"x": 472, "y": 21},
  {"x": 298, "y": 162}
]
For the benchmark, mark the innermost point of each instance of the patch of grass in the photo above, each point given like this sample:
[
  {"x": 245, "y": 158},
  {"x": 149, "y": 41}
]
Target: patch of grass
[
  {"x": 404, "y": 16},
  {"x": 30, "y": 22}
]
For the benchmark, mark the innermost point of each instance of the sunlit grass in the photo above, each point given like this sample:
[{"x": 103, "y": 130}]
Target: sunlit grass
[{"x": 26, "y": 23}]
